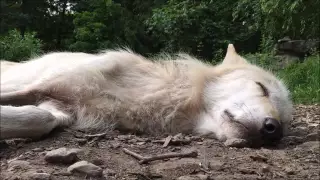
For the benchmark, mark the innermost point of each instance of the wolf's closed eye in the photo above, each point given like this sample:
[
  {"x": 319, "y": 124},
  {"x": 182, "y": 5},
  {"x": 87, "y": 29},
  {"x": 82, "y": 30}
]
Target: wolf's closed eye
[{"x": 264, "y": 89}]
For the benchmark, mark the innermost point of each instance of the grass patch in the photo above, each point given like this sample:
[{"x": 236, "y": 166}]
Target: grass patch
[{"x": 303, "y": 80}]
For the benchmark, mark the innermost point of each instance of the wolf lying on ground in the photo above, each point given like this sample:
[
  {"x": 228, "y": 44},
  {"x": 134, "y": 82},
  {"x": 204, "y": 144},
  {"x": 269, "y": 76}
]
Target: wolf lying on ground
[{"x": 123, "y": 90}]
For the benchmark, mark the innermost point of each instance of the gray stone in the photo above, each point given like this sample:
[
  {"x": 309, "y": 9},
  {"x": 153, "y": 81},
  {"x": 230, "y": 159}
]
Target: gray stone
[
  {"x": 179, "y": 167},
  {"x": 85, "y": 167},
  {"x": 238, "y": 143},
  {"x": 39, "y": 176},
  {"x": 15, "y": 164},
  {"x": 62, "y": 155},
  {"x": 194, "y": 177}
]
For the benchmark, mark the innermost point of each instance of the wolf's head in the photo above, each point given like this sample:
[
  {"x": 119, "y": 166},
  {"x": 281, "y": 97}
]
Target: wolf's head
[{"x": 243, "y": 101}]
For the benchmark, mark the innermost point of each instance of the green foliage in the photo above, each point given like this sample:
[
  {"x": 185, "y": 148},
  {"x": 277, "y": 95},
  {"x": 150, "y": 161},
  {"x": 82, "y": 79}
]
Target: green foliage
[
  {"x": 198, "y": 27},
  {"x": 303, "y": 80},
  {"x": 104, "y": 25},
  {"x": 274, "y": 19},
  {"x": 267, "y": 61},
  {"x": 14, "y": 47}
]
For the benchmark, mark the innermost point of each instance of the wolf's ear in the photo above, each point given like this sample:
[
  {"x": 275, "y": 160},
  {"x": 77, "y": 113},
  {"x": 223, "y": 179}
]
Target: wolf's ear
[{"x": 232, "y": 57}]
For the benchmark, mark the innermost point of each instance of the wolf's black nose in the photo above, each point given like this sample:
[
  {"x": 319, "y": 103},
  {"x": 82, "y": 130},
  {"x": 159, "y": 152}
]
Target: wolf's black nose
[{"x": 271, "y": 129}]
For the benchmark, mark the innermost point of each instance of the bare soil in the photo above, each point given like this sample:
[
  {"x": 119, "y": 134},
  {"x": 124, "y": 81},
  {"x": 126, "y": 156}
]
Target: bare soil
[{"x": 296, "y": 157}]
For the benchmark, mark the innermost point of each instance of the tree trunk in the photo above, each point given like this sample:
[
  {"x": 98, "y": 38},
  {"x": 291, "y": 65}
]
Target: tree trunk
[{"x": 60, "y": 24}]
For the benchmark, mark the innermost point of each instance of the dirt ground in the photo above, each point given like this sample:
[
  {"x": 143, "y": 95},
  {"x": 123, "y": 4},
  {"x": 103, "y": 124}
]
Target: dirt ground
[{"x": 296, "y": 157}]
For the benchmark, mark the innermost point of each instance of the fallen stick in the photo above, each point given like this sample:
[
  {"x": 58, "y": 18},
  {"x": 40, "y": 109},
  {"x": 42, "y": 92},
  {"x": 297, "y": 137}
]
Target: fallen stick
[
  {"x": 173, "y": 141},
  {"x": 167, "y": 141},
  {"x": 133, "y": 154},
  {"x": 100, "y": 135},
  {"x": 144, "y": 160}
]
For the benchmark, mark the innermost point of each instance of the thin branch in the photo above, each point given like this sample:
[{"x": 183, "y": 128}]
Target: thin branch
[{"x": 144, "y": 160}]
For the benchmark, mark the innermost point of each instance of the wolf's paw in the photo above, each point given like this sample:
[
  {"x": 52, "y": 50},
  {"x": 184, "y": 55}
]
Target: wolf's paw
[{"x": 235, "y": 142}]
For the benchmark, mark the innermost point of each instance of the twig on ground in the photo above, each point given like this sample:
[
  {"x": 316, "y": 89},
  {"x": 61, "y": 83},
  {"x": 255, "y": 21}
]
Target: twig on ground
[
  {"x": 167, "y": 141},
  {"x": 144, "y": 160},
  {"x": 100, "y": 135},
  {"x": 133, "y": 154},
  {"x": 173, "y": 141},
  {"x": 141, "y": 175}
]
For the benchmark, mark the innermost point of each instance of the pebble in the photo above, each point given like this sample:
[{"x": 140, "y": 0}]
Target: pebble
[
  {"x": 62, "y": 155},
  {"x": 109, "y": 172},
  {"x": 265, "y": 169},
  {"x": 289, "y": 170},
  {"x": 39, "y": 176},
  {"x": 194, "y": 177},
  {"x": 37, "y": 149},
  {"x": 313, "y": 137},
  {"x": 258, "y": 157},
  {"x": 81, "y": 141},
  {"x": 238, "y": 143},
  {"x": 85, "y": 167},
  {"x": 18, "y": 164}
]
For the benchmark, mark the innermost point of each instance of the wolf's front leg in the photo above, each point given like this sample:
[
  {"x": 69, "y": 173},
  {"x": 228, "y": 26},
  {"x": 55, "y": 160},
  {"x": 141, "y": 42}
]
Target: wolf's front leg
[{"x": 29, "y": 121}]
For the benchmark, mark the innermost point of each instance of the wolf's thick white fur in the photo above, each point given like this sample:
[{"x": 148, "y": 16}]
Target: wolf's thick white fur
[{"x": 127, "y": 91}]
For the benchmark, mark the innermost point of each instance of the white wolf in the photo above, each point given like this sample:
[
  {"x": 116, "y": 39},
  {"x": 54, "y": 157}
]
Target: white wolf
[{"x": 123, "y": 90}]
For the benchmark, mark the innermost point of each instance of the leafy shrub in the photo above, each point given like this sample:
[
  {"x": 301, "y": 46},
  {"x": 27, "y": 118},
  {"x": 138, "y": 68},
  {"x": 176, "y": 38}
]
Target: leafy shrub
[
  {"x": 267, "y": 61},
  {"x": 16, "y": 48},
  {"x": 303, "y": 80}
]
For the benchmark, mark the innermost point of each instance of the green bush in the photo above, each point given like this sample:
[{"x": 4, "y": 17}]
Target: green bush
[
  {"x": 14, "y": 47},
  {"x": 267, "y": 61},
  {"x": 303, "y": 80}
]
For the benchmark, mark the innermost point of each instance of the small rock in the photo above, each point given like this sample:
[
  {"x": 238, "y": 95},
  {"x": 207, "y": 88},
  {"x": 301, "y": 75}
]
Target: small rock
[
  {"x": 18, "y": 164},
  {"x": 141, "y": 143},
  {"x": 37, "y": 149},
  {"x": 196, "y": 138},
  {"x": 109, "y": 172},
  {"x": 124, "y": 137},
  {"x": 98, "y": 162},
  {"x": 81, "y": 141},
  {"x": 132, "y": 141},
  {"x": 313, "y": 137},
  {"x": 85, "y": 167},
  {"x": 39, "y": 176},
  {"x": 194, "y": 177},
  {"x": 291, "y": 140},
  {"x": 179, "y": 167},
  {"x": 115, "y": 145},
  {"x": 245, "y": 171},
  {"x": 259, "y": 158},
  {"x": 238, "y": 143},
  {"x": 178, "y": 136},
  {"x": 216, "y": 165},
  {"x": 62, "y": 155},
  {"x": 265, "y": 169},
  {"x": 289, "y": 170},
  {"x": 313, "y": 146},
  {"x": 175, "y": 149}
]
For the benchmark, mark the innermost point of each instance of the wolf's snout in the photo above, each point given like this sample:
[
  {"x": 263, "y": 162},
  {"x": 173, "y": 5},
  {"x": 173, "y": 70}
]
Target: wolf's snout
[{"x": 271, "y": 129}]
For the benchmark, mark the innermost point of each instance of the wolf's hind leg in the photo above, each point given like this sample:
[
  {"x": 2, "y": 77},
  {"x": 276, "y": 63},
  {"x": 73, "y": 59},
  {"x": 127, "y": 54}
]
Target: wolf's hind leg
[
  {"x": 19, "y": 98},
  {"x": 30, "y": 121}
]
